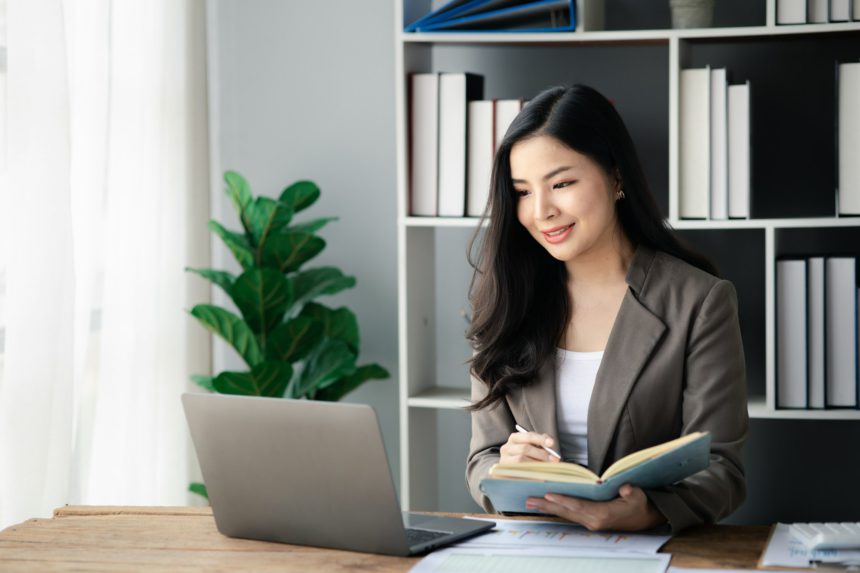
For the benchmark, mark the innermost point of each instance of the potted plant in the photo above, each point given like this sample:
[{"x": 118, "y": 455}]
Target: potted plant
[{"x": 293, "y": 346}]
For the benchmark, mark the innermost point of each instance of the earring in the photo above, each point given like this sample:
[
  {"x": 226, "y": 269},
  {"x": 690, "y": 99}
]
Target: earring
[{"x": 620, "y": 194}]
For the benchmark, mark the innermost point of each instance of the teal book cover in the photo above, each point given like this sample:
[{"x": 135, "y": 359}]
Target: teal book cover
[
  {"x": 510, "y": 495},
  {"x": 499, "y": 16}
]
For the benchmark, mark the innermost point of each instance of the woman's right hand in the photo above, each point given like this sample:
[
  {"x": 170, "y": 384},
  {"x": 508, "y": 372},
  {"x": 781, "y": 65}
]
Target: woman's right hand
[{"x": 526, "y": 447}]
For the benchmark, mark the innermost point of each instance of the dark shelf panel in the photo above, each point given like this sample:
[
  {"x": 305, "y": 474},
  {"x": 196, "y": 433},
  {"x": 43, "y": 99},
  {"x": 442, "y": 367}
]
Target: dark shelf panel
[{"x": 740, "y": 258}]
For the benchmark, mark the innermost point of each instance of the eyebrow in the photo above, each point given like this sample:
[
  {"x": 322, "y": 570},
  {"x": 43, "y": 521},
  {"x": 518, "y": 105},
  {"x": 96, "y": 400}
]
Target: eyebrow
[{"x": 549, "y": 175}]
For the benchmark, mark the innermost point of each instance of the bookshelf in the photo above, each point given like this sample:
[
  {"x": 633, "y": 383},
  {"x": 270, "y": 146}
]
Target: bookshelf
[{"x": 639, "y": 69}]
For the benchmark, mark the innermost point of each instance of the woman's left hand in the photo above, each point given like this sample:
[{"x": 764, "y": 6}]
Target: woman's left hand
[{"x": 631, "y": 511}]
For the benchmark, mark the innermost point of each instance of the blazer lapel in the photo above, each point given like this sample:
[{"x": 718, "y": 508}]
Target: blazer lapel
[
  {"x": 633, "y": 337},
  {"x": 539, "y": 403}
]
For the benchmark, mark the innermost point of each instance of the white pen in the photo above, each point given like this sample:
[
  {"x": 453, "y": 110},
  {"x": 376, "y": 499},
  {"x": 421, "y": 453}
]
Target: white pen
[{"x": 522, "y": 430}]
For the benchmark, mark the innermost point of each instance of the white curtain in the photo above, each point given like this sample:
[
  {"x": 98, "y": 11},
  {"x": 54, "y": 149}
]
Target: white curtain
[{"x": 104, "y": 205}]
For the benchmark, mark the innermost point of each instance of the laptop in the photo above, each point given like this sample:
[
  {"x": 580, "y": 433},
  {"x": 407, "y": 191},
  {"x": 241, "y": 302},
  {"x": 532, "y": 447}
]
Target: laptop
[{"x": 307, "y": 473}]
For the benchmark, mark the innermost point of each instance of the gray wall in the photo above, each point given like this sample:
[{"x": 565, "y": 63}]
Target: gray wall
[{"x": 306, "y": 91}]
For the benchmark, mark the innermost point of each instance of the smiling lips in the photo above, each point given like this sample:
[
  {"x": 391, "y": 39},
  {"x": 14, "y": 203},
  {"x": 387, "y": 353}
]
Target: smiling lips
[{"x": 558, "y": 234}]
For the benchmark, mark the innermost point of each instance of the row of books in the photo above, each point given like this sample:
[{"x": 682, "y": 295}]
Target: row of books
[
  {"x": 715, "y": 157},
  {"x": 816, "y": 11},
  {"x": 817, "y": 333},
  {"x": 454, "y": 135},
  {"x": 499, "y": 16},
  {"x": 715, "y": 152}
]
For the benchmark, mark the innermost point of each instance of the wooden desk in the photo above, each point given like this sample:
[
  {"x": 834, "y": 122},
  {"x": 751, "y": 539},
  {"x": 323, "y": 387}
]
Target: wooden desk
[{"x": 185, "y": 539}]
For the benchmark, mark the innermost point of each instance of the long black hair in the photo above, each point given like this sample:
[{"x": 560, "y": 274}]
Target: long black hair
[{"x": 519, "y": 293}]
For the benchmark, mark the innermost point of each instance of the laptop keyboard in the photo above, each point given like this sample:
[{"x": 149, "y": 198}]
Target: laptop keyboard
[
  {"x": 828, "y": 535},
  {"x": 418, "y": 536}
]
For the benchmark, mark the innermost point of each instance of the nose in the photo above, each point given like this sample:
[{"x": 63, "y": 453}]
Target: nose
[{"x": 544, "y": 208}]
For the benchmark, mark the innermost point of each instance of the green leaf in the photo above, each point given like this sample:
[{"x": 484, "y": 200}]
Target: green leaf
[
  {"x": 349, "y": 383},
  {"x": 199, "y": 489},
  {"x": 221, "y": 278},
  {"x": 332, "y": 361},
  {"x": 312, "y": 226},
  {"x": 268, "y": 379},
  {"x": 293, "y": 341},
  {"x": 267, "y": 217},
  {"x": 232, "y": 329},
  {"x": 312, "y": 283},
  {"x": 263, "y": 296},
  {"x": 204, "y": 382},
  {"x": 288, "y": 251},
  {"x": 240, "y": 194},
  {"x": 300, "y": 195},
  {"x": 237, "y": 244},
  {"x": 340, "y": 324}
]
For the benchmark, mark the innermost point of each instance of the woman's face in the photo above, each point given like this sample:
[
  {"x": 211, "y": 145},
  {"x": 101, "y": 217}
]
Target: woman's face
[{"x": 565, "y": 200}]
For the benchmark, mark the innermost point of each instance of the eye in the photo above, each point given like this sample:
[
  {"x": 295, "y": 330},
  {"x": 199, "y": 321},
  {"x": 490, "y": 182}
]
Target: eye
[
  {"x": 520, "y": 192},
  {"x": 563, "y": 184}
]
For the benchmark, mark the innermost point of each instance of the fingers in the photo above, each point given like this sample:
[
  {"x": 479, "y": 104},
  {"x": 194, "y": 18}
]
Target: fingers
[
  {"x": 531, "y": 438},
  {"x": 595, "y": 516},
  {"x": 523, "y": 453},
  {"x": 628, "y": 512},
  {"x": 527, "y": 447}
]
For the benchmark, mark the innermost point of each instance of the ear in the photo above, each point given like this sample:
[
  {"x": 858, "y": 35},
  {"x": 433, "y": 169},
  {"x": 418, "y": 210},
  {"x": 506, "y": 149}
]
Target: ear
[{"x": 619, "y": 182}]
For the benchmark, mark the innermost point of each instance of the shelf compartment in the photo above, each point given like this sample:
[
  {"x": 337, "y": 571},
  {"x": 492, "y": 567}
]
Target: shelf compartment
[
  {"x": 435, "y": 278},
  {"x": 641, "y": 94},
  {"x": 435, "y": 462},
  {"x": 793, "y": 125},
  {"x": 625, "y": 17}
]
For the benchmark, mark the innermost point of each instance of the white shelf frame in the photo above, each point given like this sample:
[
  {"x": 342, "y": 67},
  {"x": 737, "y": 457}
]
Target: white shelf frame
[
  {"x": 444, "y": 398},
  {"x": 420, "y": 398},
  {"x": 459, "y": 222},
  {"x": 680, "y": 224},
  {"x": 441, "y": 397},
  {"x": 760, "y": 410},
  {"x": 621, "y": 37},
  {"x": 767, "y": 224}
]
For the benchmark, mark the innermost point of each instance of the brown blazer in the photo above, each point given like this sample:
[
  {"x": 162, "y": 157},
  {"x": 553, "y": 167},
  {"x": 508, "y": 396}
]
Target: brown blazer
[{"x": 673, "y": 364}]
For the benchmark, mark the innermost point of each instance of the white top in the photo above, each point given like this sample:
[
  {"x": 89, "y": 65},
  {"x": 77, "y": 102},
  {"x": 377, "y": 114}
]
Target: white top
[{"x": 576, "y": 373}]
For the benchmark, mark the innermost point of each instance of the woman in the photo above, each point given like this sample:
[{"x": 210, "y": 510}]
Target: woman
[{"x": 594, "y": 328}]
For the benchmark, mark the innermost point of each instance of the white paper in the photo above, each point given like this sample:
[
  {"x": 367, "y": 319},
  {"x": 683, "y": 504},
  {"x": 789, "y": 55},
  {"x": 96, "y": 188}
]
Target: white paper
[
  {"x": 539, "y": 560},
  {"x": 510, "y": 534},
  {"x": 684, "y": 570},
  {"x": 785, "y": 550}
]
